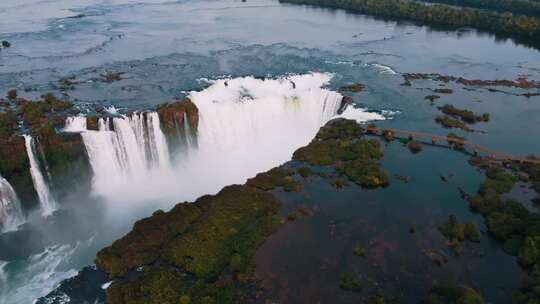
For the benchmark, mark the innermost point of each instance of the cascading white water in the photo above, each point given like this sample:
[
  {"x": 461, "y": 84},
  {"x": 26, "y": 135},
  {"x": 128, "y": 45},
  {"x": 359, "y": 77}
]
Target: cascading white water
[
  {"x": 247, "y": 126},
  {"x": 250, "y": 125},
  {"x": 11, "y": 215},
  {"x": 46, "y": 199},
  {"x": 134, "y": 147},
  {"x": 75, "y": 124}
]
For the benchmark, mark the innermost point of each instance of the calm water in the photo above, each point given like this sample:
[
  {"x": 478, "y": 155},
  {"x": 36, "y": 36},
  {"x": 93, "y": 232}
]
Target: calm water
[{"x": 168, "y": 48}]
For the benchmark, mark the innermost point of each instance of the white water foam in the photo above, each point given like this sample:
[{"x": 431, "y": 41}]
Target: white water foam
[
  {"x": 75, "y": 124},
  {"x": 11, "y": 215},
  {"x": 46, "y": 199},
  {"x": 383, "y": 69},
  {"x": 130, "y": 150},
  {"x": 247, "y": 126},
  {"x": 39, "y": 275}
]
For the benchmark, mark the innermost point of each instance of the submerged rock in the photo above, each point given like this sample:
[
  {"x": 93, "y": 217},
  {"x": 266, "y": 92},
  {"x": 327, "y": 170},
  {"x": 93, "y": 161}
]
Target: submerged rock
[{"x": 353, "y": 88}]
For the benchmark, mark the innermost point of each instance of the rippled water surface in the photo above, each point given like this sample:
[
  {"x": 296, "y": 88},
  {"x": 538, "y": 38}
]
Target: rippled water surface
[{"x": 167, "y": 49}]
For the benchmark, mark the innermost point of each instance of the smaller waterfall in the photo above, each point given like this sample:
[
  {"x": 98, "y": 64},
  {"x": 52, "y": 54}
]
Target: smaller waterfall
[
  {"x": 11, "y": 215},
  {"x": 75, "y": 124},
  {"x": 47, "y": 201},
  {"x": 158, "y": 142},
  {"x": 124, "y": 148},
  {"x": 188, "y": 134}
]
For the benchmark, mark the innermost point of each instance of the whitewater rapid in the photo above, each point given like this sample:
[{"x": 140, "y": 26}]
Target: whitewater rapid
[{"x": 47, "y": 202}]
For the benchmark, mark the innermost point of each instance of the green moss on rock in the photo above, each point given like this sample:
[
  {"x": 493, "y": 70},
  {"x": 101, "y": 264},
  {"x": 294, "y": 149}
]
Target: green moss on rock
[
  {"x": 458, "y": 232},
  {"x": 14, "y": 167},
  {"x": 189, "y": 250},
  {"x": 452, "y": 293},
  {"x": 276, "y": 177},
  {"x": 465, "y": 115}
]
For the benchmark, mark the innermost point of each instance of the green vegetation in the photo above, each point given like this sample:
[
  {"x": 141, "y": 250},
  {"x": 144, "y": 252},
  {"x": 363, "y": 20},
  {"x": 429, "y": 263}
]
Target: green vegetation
[
  {"x": 190, "y": 251},
  {"x": 511, "y": 223},
  {"x": 359, "y": 250},
  {"x": 465, "y": 115},
  {"x": 443, "y": 15},
  {"x": 349, "y": 281},
  {"x": 353, "y": 88},
  {"x": 338, "y": 144},
  {"x": 524, "y": 7},
  {"x": 449, "y": 122},
  {"x": 499, "y": 180},
  {"x": 15, "y": 168},
  {"x": 8, "y": 123},
  {"x": 412, "y": 229},
  {"x": 276, "y": 177},
  {"x": 457, "y": 232},
  {"x": 451, "y": 293},
  {"x": 292, "y": 216}
]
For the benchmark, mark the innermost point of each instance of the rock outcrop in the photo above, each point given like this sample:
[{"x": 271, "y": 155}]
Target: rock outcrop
[
  {"x": 14, "y": 167},
  {"x": 63, "y": 156},
  {"x": 179, "y": 122}
]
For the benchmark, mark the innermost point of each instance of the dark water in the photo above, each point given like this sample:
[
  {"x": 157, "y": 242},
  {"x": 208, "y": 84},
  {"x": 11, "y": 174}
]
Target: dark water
[
  {"x": 167, "y": 48},
  {"x": 303, "y": 261}
]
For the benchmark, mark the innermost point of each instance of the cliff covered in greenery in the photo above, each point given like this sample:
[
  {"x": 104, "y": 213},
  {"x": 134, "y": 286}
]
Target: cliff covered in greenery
[{"x": 442, "y": 15}]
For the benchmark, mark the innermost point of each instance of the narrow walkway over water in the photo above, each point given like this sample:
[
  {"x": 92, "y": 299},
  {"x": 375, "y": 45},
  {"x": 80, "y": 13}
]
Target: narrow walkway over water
[{"x": 449, "y": 142}]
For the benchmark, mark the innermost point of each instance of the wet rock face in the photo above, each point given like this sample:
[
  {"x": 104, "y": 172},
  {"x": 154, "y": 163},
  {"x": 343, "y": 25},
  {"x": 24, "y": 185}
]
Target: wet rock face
[
  {"x": 64, "y": 155},
  {"x": 92, "y": 123},
  {"x": 67, "y": 160},
  {"x": 15, "y": 167},
  {"x": 175, "y": 117}
]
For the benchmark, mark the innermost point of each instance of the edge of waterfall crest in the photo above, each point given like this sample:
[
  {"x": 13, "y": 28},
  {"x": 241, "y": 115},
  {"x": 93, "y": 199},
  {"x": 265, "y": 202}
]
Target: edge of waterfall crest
[{"x": 11, "y": 214}]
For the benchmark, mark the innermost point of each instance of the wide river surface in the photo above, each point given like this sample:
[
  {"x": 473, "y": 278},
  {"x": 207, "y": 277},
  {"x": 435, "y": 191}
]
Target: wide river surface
[{"x": 169, "y": 48}]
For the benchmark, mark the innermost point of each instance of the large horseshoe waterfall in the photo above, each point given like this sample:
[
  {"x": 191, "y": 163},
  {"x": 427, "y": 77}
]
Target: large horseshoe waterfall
[{"x": 243, "y": 123}]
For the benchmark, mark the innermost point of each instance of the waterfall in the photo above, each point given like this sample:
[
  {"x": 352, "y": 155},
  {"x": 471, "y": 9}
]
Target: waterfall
[
  {"x": 188, "y": 134},
  {"x": 11, "y": 215},
  {"x": 250, "y": 125},
  {"x": 47, "y": 201},
  {"x": 75, "y": 124},
  {"x": 158, "y": 142},
  {"x": 130, "y": 150},
  {"x": 246, "y": 126}
]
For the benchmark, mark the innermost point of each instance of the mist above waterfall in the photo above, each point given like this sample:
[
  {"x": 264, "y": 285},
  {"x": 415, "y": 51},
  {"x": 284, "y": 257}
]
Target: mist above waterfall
[{"x": 247, "y": 125}]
